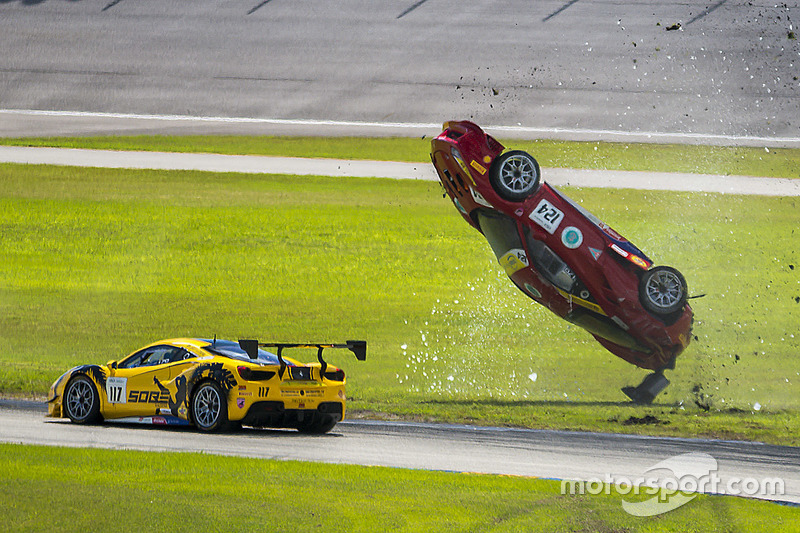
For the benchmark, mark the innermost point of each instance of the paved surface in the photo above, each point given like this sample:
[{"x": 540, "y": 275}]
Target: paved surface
[
  {"x": 389, "y": 169},
  {"x": 549, "y": 454},
  {"x": 567, "y": 65}
]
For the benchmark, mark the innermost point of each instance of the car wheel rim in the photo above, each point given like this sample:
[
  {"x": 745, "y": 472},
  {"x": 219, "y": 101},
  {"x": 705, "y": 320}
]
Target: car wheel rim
[
  {"x": 518, "y": 173},
  {"x": 664, "y": 289},
  {"x": 80, "y": 399},
  {"x": 207, "y": 406}
]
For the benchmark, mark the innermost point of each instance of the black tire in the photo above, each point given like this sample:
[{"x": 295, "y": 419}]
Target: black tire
[
  {"x": 318, "y": 426},
  {"x": 515, "y": 175},
  {"x": 662, "y": 291},
  {"x": 81, "y": 401},
  {"x": 209, "y": 407}
]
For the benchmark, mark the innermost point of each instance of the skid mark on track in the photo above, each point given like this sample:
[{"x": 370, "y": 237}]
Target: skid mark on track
[
  {"x": 562, "y": 8},
  {"x": 259, "y": 6},
  {"x": 410, "y": 9},
  {"x": 706, "y": 12}
]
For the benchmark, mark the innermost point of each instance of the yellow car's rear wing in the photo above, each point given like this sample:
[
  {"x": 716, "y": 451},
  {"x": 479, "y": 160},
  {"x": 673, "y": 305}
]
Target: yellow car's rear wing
[{"x": 251, "y": 346}]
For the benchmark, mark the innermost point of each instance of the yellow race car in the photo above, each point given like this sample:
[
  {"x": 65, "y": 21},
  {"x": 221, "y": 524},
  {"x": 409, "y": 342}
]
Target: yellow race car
[{"x": 213, "y": 384}]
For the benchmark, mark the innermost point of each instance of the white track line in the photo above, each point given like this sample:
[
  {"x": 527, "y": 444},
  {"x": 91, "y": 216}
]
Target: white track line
[
  {"x": 518, "y": 131},
  {"x": 388, "y": 169}
]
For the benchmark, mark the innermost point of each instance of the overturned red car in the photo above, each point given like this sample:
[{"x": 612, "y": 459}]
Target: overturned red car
[{"x": 564, "y": 257}]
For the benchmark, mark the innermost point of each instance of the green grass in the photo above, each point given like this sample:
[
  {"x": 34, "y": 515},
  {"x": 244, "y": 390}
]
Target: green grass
[
  {"x": 746, "y": 161},
  {"x": 80, "y": 490},
  {"x": 95, "y": 263}
]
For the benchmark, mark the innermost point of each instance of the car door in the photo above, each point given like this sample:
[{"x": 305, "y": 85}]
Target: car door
[
  {"x": 133, "y": 388},
  {"x": 177, "y": 388}
]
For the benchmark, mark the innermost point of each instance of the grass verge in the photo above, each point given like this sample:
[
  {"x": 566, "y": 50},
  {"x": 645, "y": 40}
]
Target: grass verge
[
  {"x": 44, "y": 488},
  {"x": 744, "y": 161},
  {"x": 95, "y": 263}
]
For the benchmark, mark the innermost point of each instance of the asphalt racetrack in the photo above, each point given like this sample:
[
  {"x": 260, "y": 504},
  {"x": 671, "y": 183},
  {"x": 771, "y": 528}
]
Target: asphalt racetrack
[
  {"x": 539, "y": 453},
  {"x": 689, "y": 68}
]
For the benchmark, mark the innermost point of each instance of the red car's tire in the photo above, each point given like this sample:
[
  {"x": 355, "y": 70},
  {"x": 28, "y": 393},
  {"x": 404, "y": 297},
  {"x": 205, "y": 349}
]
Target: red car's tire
[
  {"x": 515, "y": 175},
  {"x": 81, "y": 401},
  {"x": 663, "y": 291}
]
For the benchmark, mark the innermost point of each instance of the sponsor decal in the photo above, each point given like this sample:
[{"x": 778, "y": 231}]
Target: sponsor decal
[
  {"x": 619, "y": 250},
  {"x": 547, "y": 216},
  {"x": 571, "y": 237},
  {"x": 595, "y": 253},
  {"x": 610, "y": 232},
  {"x": 458, "y": 205},
  {"x": 242, "y": 387},
  {"x": 514, "y": 260},
  {"x": 290, "y": 392},
  {"x": 532, "y": 291},
  {"x": 148, "y": 396},
  {"x": 487, "y": 159},
  {"x": 479, "y": 199},
  {"x": 161, "y": 420},
  {"x": 240, "y": 403},
  {"x": 477, "y": 166},
  {"x": 638, "y": 261},
  {"x": 317, "y": 392},
  {"x": 116, "y": 390},
  {"x": 244, "y": 394}
]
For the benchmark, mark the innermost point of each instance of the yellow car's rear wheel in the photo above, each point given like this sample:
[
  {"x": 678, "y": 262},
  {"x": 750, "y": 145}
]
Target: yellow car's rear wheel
[{"x": 209, "y": 407}]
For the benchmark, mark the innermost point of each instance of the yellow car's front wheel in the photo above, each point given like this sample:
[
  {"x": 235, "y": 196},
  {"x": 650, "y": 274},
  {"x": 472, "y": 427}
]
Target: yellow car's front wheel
[
  {"x": 81, "y": 401},
  {"x": 209, "y": 407}
]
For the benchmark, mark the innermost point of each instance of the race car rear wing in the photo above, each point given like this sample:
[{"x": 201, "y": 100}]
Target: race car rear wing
[{"x": 251, "y": 346}]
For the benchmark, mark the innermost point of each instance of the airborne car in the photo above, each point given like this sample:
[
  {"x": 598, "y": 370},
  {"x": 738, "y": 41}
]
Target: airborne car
[
  {"x": 564, "y": 257},
  {"x": 213, "y": 384}
]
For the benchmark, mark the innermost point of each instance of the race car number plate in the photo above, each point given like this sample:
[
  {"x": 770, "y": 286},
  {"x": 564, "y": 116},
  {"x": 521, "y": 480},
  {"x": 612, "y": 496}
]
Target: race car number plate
[
  {"x": 547, "y": 216},
  {"x": 115, "y": 389}
]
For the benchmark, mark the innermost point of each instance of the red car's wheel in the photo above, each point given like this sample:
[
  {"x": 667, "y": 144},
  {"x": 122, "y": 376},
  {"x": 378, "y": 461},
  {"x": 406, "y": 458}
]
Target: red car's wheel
[
  {"x": 514, "y": 175},
  {"x": 662, "y": 290}
]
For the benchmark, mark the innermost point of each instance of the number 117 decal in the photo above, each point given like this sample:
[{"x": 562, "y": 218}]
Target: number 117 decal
[
  {"x": 115, "y": 389},
  {"x": 547, "y": 216}
]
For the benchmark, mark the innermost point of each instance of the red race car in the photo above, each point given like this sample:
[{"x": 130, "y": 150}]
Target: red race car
[{"x": 564, "y": 257}]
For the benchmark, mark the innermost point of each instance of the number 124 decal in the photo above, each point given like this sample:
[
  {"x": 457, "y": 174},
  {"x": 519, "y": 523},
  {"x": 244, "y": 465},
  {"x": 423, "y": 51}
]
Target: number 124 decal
[{"x": 547, "y": 216}]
